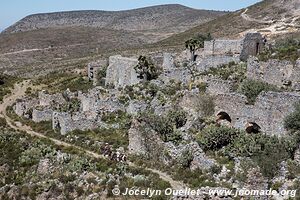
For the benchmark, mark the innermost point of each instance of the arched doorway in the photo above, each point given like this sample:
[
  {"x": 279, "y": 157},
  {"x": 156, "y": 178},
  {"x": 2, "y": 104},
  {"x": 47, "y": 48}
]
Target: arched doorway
[
  {"x": 223, "y": 116},
  {"x": 253, "y": 127}
]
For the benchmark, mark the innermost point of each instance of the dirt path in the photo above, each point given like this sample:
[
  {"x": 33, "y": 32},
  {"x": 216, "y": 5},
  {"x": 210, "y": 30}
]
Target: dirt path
[
  {"x": 248, "y": 18},
  {"x": 19, "y": 91},
  {"x": 285, "y": 25}
]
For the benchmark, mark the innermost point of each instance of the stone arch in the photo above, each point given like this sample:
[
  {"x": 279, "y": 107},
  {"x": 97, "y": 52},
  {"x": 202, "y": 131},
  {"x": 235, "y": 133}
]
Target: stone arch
[
  {"x": 223, "y": 116},
  {"x": 253, "y": 127}
]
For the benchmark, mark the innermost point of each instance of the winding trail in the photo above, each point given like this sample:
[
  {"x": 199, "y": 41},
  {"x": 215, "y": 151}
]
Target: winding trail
[
  {"x": 273, "y": 27},
  {"x": 19, "y": 91},
  {"x": 248, "y": 18}
]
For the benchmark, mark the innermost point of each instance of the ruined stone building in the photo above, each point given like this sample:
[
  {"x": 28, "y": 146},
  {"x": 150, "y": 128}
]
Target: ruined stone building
[
  {"x": 93, "y": 70},
  {"x": 268, "y": 112},
  {"x": 250, "y": 45},
  {"x": 275, "y": 72},
  {"x": 121, "y": 72}
]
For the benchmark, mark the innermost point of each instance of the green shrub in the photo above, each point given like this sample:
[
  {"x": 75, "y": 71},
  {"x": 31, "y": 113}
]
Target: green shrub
[
  {"x": 230, "y": 71},
  {"x": 292, "y": 121},
  {"x": 101, "y": 74},
  {"x": 166, "y": 125},
  {"x": 177, "y": 117},
  {"x": 186, "y": 159},
  {"x": 146, "y": 69},
  {"x": 266, "y": 151},
  {"x": 286, "y": 49},
  {"x": 205, "y": 105},
  {"x": 3, "y": 122},
  {"x": 252, "y": 88},
  {"x": 214, "y": 138}
]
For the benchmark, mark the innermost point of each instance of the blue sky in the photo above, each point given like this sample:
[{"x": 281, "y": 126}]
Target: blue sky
[{"x": 13, "y": 10}]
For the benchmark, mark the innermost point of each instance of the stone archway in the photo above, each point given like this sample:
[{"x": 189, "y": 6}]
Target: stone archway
[
  {"x": 223, "y": 116},
  {"x": 253, "y": 127}
]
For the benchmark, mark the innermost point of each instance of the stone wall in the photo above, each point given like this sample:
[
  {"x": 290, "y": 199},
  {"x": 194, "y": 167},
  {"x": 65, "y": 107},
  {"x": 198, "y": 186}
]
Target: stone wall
[
  {"x": 65, "y": 122},
  {"x": 25, "y": 107},
  {"x": 168, "y": 61},
  {"x": 93, "y": 70},
  {"x": 276, "y": 72},
  {"x": 50, "y": 99},
  {"x": 208, "y": 62},
  {"x": 223, "y": 47},
  {"x": 42, "y": 115},
  {"x": 177, "y": 74},
  {"x": 269, "y": 110},
  {"x": 121, "y": 72},
  {"x": 253, "y": 44},
  {"x": 218, "y": 86}
]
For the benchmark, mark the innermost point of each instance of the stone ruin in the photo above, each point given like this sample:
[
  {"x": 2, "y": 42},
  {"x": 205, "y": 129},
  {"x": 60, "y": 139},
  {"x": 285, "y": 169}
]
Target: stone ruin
[
  {"x": 93, "y": 69},
  {"x": 275, "y": 72},
  {"x": 251, "y": 44},
  {"x": 121, "y": 72},
  {"x": 268, "y": 112}
]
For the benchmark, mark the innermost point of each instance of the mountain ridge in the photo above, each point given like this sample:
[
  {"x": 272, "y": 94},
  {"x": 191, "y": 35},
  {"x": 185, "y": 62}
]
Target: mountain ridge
[{"x": 140, "y": 19}]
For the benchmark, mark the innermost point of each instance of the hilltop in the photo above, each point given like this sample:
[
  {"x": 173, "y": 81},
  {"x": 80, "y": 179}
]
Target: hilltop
[
  {"x": 163, "y": 18},
  {"x": 270, "y": 17}
]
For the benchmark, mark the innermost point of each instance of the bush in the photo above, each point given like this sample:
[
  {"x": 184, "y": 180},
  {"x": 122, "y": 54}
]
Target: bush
[
  {"x": 177, "y": 117},
  {"x": 214, "y": 138},
  {"x": 266, "y": 151},
  {"x": 251, "y": 89},
  {"x": 284, "y": 50},
  {"x": 101, "y": 74},
  {"x": 230, "y": 71},
  {"x": 292, "y": 121},
  {"x": 205, "y": 105},
  {"x": 167, "y": 125},
  {"x": 146, "y": 69},
  {"x": 3, "y": 122}
]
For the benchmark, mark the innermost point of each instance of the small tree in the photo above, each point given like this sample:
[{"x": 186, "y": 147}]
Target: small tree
[
  {"x": 146, "y": 69},
  {"x": 195, "y": 43}
]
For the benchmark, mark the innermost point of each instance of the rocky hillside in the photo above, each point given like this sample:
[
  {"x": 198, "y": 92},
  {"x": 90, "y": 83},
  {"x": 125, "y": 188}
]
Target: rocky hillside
[
  {"x": 65, "y": 38},
  {"x": 163, "y": 18},
  {"x": 270, "y": 17}
]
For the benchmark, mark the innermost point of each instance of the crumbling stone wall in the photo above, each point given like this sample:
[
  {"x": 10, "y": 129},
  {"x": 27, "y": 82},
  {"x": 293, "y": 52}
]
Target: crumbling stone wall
[
  {"x": 24, "y": 108},
  {"x": 251, "y": 44},
  {"x": 168, "y": 61},
  {"x": 50, "y": 99},
  {"x": 42, "y": 115},
  {"x": 65, "y": 122},
  {"x": 276, "y": 72},
  {"x": 177, "y": 74},
  {"x": 218, "y": 86},
  {"x": 269, "y": 110},
  {"x": 121, "y": 72},
  {"x": 208, "y": 62},
  {"x": 223, "y": 47},
  {"x": 93, "y": 69}
]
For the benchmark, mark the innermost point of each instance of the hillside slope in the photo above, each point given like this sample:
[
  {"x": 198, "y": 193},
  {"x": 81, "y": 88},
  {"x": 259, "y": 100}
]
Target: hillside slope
[
  {"x": 54, "y": 40},
  {"x": 163, "y": 18},
  {"x": 270, "y": 17}
]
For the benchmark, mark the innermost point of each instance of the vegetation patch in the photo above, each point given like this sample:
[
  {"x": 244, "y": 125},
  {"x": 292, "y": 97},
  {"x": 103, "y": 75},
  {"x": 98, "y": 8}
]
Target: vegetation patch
[
  {"x": 166, "y": 126},
  {"x": 57, "y": 82},
  {"x": 252, "y": 88},
  {"x": 6, "y": 84},
  {"x": 292, "y": 121},
  {"x": 286, "y": 49}
]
